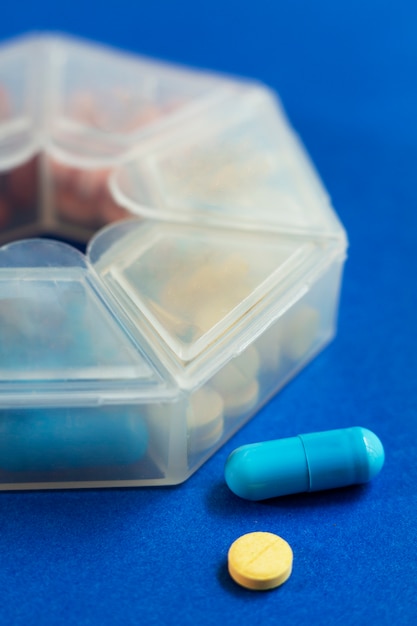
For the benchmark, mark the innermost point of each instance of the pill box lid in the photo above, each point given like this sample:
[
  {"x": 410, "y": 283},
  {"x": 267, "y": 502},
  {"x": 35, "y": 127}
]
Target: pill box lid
[
  {"x": 59, "y": 341},
  {"x": 103, "y": 102},
  {"x": 240, "y": 166},
  {"x": 89, "y": 105},
  {"x": 20, "y": 83},
  {"x": 199, "y": 294}
]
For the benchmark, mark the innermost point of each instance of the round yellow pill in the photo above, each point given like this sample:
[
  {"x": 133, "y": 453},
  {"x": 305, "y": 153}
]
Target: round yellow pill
[{"x": 260, "y": 561}]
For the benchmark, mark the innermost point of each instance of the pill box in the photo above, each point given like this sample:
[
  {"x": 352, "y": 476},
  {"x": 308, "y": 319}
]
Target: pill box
[{"x": 211, "y": 275}]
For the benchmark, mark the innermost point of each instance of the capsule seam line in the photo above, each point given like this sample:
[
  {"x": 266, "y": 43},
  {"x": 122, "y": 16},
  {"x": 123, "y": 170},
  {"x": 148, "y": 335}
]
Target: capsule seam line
[{"x": 300, "y": 437}]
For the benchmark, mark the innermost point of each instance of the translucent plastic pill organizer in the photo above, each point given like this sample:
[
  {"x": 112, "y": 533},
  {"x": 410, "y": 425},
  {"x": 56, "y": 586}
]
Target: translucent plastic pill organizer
[{"x": 211, "y": 276}]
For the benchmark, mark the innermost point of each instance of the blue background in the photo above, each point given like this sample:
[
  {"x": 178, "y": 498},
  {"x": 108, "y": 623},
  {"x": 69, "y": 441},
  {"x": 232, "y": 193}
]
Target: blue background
[{"x": 346, "y": 73}]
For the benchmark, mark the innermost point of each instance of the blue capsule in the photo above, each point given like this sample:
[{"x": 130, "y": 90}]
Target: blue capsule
[
  {"x": 61, "y": 439},
  {"x": 324, "y": 460}
]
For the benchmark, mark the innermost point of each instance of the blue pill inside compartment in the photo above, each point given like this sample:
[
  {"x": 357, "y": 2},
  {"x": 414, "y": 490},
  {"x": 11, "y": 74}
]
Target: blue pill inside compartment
[{"x": 57, "y": 439}]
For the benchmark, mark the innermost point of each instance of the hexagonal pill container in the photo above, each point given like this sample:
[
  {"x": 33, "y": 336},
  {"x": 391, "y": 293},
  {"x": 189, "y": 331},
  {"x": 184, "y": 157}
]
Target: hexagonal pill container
[{"x": 211, "y": 275}]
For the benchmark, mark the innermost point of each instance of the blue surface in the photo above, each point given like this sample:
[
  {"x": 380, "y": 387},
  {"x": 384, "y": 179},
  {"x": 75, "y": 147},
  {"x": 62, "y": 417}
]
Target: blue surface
[{"x": 347, "y": 75}]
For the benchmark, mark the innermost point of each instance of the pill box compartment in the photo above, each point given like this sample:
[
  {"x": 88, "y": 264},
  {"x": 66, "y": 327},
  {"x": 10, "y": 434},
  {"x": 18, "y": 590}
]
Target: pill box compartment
[
  {"x": 19, "y": 142},
  {"x": 84, "y": 413},
  {"x": 133, "y": 364},
  {"x": 69, "y": 113},
  {"x": 231, "y": 315}
]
